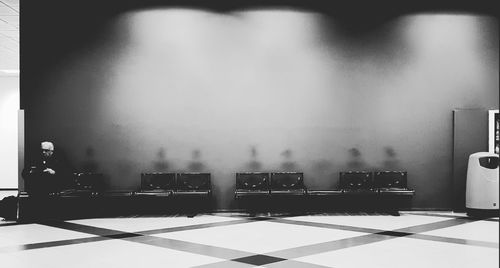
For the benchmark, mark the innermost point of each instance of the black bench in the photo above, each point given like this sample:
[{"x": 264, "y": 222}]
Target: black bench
[
  {"x": 262, "y": 191},
  {"x": 193, "y": 184},
  {"x": 288, "y": 192},
  {"x": 76, "y": 204},
  {"x": 84, "y": 184},
  {"x": 175, "y": 184},
  {"x": 159, "y": 193},
  {"x": 156, "y": 193},
  {"x": 157, "y": 184},
  {"x": 364, "y": 191},
  {"x": 369, "y": 183},
  {"x": 392, "y": 183},
  {"x": 356, "y": 183},
  {"x": 287, "y": 184},
  {"x": 393, "y": 191},
  {"x": 193, "y": 193},
  {"x": 249, "y": 184}
]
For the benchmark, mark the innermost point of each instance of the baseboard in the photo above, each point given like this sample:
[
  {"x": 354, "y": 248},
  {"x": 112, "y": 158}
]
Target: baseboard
[
  {"x": 239, "y": 210},
  {"x": 426, "y": 209}
]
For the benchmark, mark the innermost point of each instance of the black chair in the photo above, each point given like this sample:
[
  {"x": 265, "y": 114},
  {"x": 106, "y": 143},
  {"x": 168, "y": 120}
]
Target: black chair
[
  {"x": 392, "y": 183},
  {"x": 40, "y": 184},
  {"x": 85, "y": 184},
  {"x": 157, "y": 184},
  {"x": 357, "y": 182},
  {"x": 88, "y": 181},
  {"x": 287, "y": 183},
  {"x": 252, "y": 184},
  {"x": 193, "y": 184}
]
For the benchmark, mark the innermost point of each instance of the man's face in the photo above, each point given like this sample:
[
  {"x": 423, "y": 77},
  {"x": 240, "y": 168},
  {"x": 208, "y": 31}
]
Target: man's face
[{"x": 47, "y": 150}]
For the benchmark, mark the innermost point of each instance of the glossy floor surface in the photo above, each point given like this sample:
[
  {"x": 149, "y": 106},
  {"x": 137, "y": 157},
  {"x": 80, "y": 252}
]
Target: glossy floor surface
[{"x": 413, "y": 239}]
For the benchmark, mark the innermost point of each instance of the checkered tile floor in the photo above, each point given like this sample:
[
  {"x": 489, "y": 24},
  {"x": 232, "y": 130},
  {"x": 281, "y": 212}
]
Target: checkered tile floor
[{"x": 414, "y": 239}]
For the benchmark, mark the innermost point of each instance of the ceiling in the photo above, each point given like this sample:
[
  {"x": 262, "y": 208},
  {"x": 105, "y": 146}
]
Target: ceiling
[{"x": 9, "y": 37}]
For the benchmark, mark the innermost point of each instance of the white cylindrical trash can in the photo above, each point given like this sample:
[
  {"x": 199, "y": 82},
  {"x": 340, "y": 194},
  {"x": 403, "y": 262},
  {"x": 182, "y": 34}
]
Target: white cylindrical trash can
[{"x": 482, "y": 183}]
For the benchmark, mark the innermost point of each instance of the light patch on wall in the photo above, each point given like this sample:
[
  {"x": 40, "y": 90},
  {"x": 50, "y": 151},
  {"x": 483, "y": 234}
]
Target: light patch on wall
[
  {"x": 9, "y": 106},
  {"x": 247, "y": 62},
  {"x": 220, "y": 83},
  {"x": 428, "y": 31},
  {"x": 437, "y": 39},
  {"x": 265, "y": 27}
]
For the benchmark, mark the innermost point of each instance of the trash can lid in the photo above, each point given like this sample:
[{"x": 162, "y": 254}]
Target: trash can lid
[{"x": 483, "y": 154}]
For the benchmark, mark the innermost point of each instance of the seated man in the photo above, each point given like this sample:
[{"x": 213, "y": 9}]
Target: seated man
[{"x": 45, "y": 174}]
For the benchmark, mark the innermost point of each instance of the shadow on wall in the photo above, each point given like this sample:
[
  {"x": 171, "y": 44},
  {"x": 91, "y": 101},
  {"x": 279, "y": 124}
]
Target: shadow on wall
[
  {"x": 391, "y": 161},
  {"x": 90, "y": 164},
  {"x": 288, "y": 164},
  {"x": 356, "y": 161},
  {"x": 253, "y": 165},
  {"x": 161, "y": 164},
  {"x": 196, "y": 165}
]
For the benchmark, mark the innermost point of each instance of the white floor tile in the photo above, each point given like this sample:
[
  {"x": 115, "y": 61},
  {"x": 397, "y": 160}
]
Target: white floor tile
[
  {"x": 110, "y": 253},
  {"x": 144, "y": 224},
  {"x": 408, "y": 253},
  {"x": 260, "y": 237},
  {"x": 35, "y": 233},
  {"x": 381, "y": 222},
  {"x": 479, "y": 230}
]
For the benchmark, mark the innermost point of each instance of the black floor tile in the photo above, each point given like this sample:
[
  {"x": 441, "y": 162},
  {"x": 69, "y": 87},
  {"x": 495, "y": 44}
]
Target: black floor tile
[{"x": 259, "y": 259}]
